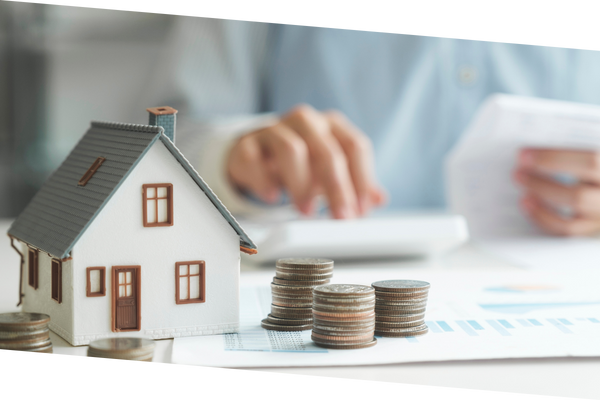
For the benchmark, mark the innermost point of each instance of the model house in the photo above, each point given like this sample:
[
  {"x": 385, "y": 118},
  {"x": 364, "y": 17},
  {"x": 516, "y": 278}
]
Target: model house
[{"x": 125, "y": 238}]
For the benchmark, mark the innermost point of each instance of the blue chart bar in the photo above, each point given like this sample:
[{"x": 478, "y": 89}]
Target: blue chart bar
[
  {"x": 465, "y": 327},
  {"x": 445, "y": 326},
  {"x": 475, "y": 325},
  {"x": 433, "y": 326},
  {"x": 535, "y": 322},
  {"x": 412, "y": 339},
  {"x": 559, "y": 325},
  {"x": 506, "y": 324},
  {"x": 564, "y": 321},
  {"x": 498, "y": 327},
  {"x": 594, "y": 320},
  {"x": 525, "y": 323}
]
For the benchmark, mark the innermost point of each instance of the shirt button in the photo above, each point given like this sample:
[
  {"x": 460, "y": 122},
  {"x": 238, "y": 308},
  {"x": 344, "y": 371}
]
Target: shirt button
[{"x": 467, "y": 75}]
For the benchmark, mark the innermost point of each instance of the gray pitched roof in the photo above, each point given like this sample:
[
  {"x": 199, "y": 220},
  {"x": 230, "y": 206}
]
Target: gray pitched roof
[{"x": 61, "y": 211}]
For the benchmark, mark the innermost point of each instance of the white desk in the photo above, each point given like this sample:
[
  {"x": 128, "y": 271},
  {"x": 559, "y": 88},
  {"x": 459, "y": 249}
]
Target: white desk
[{"x": 569, "y": 377}]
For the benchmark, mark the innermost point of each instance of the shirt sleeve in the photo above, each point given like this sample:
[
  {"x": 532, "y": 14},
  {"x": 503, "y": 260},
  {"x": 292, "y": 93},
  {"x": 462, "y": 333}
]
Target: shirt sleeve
[
  {"x": 213, "y": 72},
  {"x": 207, "y": 145}
]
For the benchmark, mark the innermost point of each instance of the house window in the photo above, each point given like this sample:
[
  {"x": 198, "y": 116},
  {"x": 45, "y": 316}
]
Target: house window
[
  {"x": 57, "y": 280},
  {"x": 158, "y": 204},
  {"x": 96, "y": 281},
  {"x": 189, "y": 282},
  {"x": 33, "y": 268}
]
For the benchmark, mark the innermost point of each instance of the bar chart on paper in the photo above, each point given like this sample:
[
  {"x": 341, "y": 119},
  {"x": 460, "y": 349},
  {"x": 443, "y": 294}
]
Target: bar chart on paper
[
  {"x": 504, "y": 327},
  {"x": 546, "y": 324}
]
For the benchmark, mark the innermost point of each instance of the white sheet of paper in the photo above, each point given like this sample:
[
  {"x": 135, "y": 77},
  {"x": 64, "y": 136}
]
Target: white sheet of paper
[
  {"x": 480, "y": 185},
  {"x": 470, "y": 316}
]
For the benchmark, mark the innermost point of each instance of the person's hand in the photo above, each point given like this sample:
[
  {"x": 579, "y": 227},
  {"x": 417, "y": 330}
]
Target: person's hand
[
  {"x": 308, "y": 153},
  {"x": 542, "y": 192}
]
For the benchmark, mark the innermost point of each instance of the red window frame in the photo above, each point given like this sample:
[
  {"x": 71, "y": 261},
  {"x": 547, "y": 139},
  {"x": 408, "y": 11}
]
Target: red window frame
[
  {"x": 168, "y": 198},
  {"x": 201, "y": 282},
  {"x": 56, "y": 272},
  {"x": 33, "y": 267}
]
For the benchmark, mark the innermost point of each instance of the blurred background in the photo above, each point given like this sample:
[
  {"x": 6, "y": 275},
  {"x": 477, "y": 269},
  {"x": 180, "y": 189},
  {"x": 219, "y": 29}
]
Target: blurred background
[{"x": 61, "y": 67}]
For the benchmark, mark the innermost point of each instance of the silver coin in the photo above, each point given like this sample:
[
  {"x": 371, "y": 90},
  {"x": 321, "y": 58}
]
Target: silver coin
[
  {"x": 288, "y": 321},
  {"x": 306, "y": 263},
  {"x": 401, "y": 303},
  {"x": 334, "y": 329},
  {"x": 342, "y": 323},
  {"x": 400, "y": 285},
  {"x": 10, "y": 335},
  {"x": 401, "y": 295},
  {"x": 405, "y": 324},
  {"x": 293, "y": 298},
  {"x": 344, "y": 290},
  {"x": 399, "y": 318},
  {"x": 288, "y": 290},
  {"x": 312, "y": 271},
  {"x": 346, "y": 346},
  {"x": 402, "y": 334},
  {"x": 305, "y": 284},
  {"x": 399, "y": 313},
  {"x": 121, "y": 345},
  {"x": 402, "y": 330},
  {"x": 412, "y": 308},
  {"x": 289, "y": 312},
  {"x": 343, "y": 309},
  {"x": 342, "y": 300},
  {"x": 355, "y": 333},
  {"x": 302, "y": 277},
  {"x": 23, "y": 321},
  {"x": 274, "y": 327},
  {"x": 25, "y": 345}
]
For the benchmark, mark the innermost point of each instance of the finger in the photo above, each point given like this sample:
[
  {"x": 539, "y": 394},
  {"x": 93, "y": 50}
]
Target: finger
[
  {"x": 584, "y": 165},
  {"x": 359, "y": 153},
  {"x": 379, "y": 196},
  {"x": 556, "y": 224},
  {"x": 247, "y": 169},
  {"x": 583, "y": 199},
  {"x": 330, "y": 163},
  {"x": 290, "y": 161}
]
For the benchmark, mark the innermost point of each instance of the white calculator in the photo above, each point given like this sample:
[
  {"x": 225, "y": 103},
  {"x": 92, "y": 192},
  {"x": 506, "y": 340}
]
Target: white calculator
[{"x": 381, "y": 236}]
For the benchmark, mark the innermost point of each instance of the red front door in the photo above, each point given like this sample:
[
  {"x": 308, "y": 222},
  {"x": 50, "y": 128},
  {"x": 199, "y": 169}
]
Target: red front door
[{"x": 126, "y": 298}]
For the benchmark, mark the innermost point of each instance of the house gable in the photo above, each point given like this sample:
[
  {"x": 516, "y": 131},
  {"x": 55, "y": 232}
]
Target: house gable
[
  {"x": 118, "y": 238},
  {"x": 62, "y": 209}
]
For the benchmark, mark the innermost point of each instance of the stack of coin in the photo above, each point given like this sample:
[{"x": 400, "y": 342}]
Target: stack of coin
[
  {"x": 25, "y": 331},
  {"x": 123, "y": 348},
  {"x": 295, "y": 278},
  {"x": 400, "y": 308},
  {"x": 343, "y": 316}
]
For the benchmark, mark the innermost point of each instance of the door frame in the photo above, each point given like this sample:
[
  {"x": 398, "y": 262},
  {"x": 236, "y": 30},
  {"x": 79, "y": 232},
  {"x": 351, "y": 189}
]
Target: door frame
[{"x": 137, "y": 281}]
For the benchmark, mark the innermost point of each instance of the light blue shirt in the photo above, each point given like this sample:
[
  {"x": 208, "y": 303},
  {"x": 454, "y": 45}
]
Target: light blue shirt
[{"x": 414, "y": 96}]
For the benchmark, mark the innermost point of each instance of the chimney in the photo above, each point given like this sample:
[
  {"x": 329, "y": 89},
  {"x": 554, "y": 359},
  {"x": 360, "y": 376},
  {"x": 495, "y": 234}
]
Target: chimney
[{"x": 165, "y": 117}]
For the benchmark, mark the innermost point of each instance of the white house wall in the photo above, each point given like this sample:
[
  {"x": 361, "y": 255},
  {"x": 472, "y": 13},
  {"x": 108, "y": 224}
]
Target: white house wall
[
  {"x": 40, "y": 300},
  {"x": 117, "y": 237}
]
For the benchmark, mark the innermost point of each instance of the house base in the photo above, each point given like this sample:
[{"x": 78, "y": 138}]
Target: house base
[{"x": 81, "y": 340}]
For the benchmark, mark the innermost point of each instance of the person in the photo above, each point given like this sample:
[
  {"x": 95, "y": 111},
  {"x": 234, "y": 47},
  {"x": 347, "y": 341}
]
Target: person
[{"x": 365, "y": 119}]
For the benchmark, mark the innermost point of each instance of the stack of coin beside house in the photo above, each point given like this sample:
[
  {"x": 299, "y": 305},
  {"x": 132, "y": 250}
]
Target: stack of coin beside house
[
  {"x": 343, "y": 316},
  {"x": 25, "y": 331},
  {"x": 123, "y": 348},
  {"x": 292, "y": 292},
  {"x": 400, "y": 308}
]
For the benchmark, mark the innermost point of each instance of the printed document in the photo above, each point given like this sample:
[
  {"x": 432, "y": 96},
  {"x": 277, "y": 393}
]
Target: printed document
[
  {"x": 480, "y": 185},
  {"x": 470, "y": 316}
]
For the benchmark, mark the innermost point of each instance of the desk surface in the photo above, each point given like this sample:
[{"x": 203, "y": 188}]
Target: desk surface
[{"x": 569, "y": 377}]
